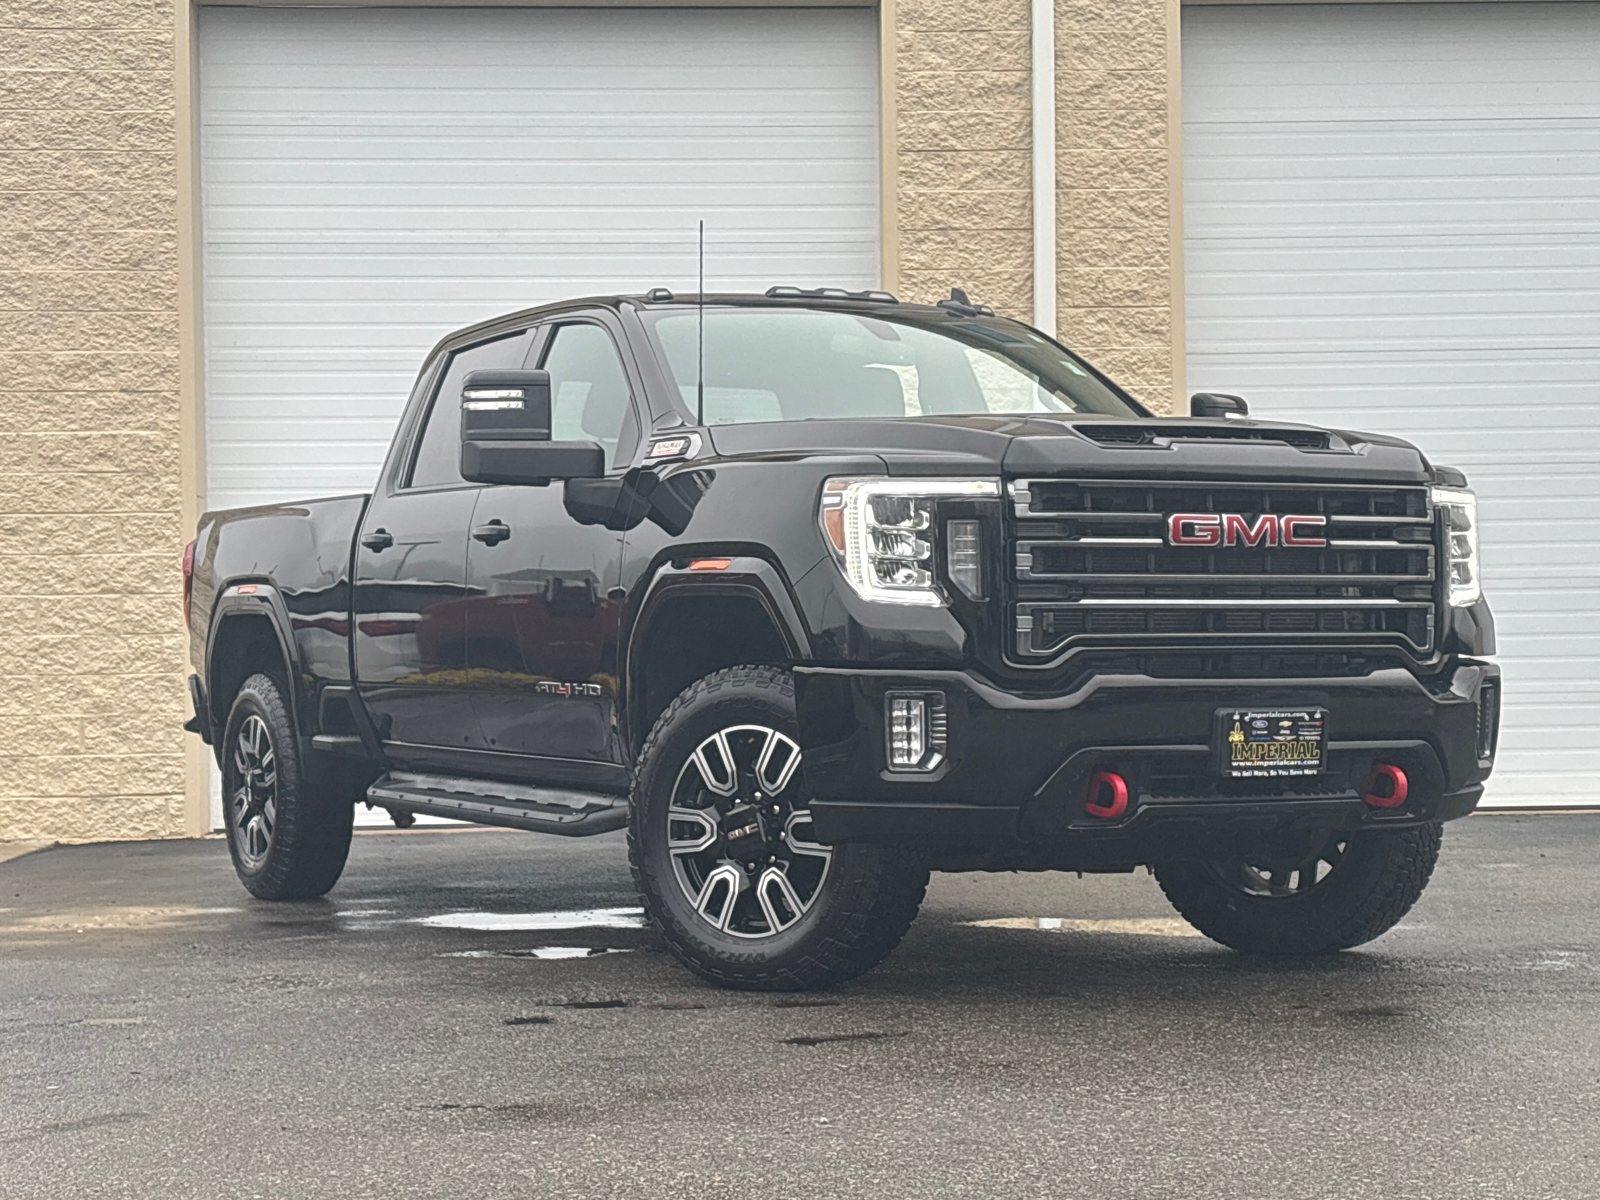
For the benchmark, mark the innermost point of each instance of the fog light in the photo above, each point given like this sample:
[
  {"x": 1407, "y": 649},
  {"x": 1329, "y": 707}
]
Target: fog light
[{"x": 915, "y": 730}]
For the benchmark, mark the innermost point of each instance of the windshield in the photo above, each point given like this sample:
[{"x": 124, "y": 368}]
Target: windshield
[{"x": 801, "y": 364}]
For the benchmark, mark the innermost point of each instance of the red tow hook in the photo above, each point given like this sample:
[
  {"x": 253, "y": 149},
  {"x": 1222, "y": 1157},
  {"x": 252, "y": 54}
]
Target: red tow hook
[
  {"x": 1108, "y": 795},
  {"x": 1387, "y": 788}
]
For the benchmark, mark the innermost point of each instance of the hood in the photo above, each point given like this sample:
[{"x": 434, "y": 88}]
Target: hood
[{"x": 1092, "y": 447}]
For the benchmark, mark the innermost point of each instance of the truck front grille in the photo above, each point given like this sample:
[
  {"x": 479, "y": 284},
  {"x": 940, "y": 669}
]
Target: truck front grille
[{"x": 1092, "y": 566}]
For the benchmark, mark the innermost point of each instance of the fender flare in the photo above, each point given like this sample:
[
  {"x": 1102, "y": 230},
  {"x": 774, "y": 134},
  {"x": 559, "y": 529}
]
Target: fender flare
[
  {"x": 256, "y": 598},
  {"x": 746, "y": 575}
]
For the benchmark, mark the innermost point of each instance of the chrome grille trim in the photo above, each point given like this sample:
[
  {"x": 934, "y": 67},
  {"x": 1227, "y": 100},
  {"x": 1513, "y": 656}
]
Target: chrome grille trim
[{"x": 1083, "y": 574}]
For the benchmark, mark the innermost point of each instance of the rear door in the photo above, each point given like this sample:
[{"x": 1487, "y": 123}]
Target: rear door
[
  {"x": 410, "y": 601},
  {"x": 544, "y": 613}
]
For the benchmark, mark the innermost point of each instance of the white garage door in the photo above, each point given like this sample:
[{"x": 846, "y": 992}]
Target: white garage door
[
  {"x": 374, "y": 178},
  {"x": 1392, "y": 222}
]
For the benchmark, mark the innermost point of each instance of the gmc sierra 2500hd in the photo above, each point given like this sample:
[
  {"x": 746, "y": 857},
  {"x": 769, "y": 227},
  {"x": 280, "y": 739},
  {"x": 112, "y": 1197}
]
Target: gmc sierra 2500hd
[{"x": 815, "y": 592}]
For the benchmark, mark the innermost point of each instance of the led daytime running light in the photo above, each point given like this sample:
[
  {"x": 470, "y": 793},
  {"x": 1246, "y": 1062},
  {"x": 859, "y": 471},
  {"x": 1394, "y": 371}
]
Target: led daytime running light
[
  {"x": 1458, "y": 512},
  {"x": 881, "y": 533}
]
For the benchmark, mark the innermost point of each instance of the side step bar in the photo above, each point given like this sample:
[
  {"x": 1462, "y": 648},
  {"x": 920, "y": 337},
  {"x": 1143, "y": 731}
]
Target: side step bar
[{"x": 490, "y": 802}]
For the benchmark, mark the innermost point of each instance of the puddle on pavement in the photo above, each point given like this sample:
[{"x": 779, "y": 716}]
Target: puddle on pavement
[
  {"x": 546, "y": 952},
  {"x": 588, "y": 918},
  {"x": 1127, "y": 926}
]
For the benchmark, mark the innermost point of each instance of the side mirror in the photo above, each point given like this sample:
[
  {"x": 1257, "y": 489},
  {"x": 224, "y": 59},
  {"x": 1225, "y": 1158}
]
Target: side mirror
[
  {"x": 505, "y": 433},
  {"x": 1217, "y": 404}
]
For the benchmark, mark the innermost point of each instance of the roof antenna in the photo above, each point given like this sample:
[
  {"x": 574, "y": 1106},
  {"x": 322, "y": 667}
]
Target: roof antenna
[{"x": 700, "y": 383}]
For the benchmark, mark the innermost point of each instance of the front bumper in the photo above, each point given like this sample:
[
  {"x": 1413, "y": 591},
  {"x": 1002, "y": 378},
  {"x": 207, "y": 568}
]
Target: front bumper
[{"x": 1013, "y": 787}]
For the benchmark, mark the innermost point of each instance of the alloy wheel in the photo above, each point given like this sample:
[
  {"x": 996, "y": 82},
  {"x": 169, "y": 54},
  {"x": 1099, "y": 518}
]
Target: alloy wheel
[
  {"x": 740, "y": 836},
  {"x": 254, "y": 802},
  {"x": 1280, "y": 881}
]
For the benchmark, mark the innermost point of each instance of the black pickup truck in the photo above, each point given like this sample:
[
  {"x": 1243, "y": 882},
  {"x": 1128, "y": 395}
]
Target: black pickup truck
[{"x": 814, "y": 592}]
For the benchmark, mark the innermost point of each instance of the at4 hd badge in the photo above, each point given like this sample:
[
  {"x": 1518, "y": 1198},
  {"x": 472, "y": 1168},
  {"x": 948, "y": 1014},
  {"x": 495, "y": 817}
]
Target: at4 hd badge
[{"x": 1270, "y": 743}]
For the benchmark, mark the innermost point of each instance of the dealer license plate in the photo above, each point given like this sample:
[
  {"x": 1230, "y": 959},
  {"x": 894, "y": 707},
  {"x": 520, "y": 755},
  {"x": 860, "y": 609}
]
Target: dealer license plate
[{"x": 1270, "y": 743}]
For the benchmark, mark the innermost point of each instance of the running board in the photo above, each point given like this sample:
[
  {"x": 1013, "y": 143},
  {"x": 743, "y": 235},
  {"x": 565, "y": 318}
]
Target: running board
[{"x": 490, "y": 802}]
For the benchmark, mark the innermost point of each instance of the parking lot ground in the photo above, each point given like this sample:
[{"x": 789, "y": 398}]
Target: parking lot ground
[{"x": 162, "y": 1035}]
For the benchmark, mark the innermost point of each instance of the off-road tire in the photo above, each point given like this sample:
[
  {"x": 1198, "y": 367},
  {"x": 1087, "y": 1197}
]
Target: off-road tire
[
  {"x": 310, "y": 837},
  {"x": 1375, "y": 884},
  {"x": 862, "y": 908}
]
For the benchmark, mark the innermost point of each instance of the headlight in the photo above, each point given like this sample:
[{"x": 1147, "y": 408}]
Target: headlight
[
  {"x": 881, "y": 532},
  {"x": 1458, "y": 509}
]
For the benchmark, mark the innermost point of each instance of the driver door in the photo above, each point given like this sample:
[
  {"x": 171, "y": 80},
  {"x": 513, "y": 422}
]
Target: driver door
[{"x": 544, "y": 616}]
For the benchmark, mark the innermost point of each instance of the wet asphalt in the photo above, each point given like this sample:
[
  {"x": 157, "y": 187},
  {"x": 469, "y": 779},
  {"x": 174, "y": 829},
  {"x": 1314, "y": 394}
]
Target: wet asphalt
[{"x": 162, "y": 1035}]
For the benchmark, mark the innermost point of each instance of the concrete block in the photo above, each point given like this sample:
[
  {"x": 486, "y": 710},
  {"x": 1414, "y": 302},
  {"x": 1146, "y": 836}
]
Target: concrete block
[
  {"x": 964, "y": 129},
  {"x": 78, "y": 577},
  {"x": 87, "y": 49},
  {"x": 1117, "y": 287},
  {"x": 971, "y": 50},
  {"x": 1078, "y": 88},
  {"x": 1083, "y": 208},
  {"x": 992, "y": 88},
  {"x": 70, "y": 128},
  {"x": 86, "y": 90},
  {"x": 959, "y": 209},
  {"x": 1119, "y": 169},
  {"x": 979, "y": 170},
  {"x": 1110, "y": 129},
  {"x": 141, "y": 370},
  {"x": 87, "y": 412},
  {"x": 108, "y": 291},
  {"x": 79, "y": 331},
  {"x": 955, "y": 251},
  {"x": 71, "y": 491},
  {"x": 1117, "y": 327},
  {"x": 954, "y": 15},
  {"x": 1132, "y": 246},
  {"x": 86, "y": 14},
  {"x": 88, "y": 170}
]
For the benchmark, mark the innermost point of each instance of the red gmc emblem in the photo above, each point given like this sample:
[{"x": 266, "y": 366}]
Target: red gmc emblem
[{"x": 1233, "y": 529}]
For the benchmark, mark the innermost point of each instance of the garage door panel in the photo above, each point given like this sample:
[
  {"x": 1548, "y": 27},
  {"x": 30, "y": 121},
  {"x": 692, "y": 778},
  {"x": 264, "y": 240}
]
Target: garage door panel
[
  {"x": 1392, "y": 223},
  {"x": 374, "y": 178}
]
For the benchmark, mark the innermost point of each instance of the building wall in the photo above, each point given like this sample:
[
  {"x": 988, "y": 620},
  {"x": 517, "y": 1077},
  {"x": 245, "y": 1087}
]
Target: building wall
[
  {"x": 1119, "y": 290},
  {"x": 97, "y": 447},
  {"x": 91, "y": 637},
  {"x": 963, "y": 119},
  {"x": 964, "y": 166}
]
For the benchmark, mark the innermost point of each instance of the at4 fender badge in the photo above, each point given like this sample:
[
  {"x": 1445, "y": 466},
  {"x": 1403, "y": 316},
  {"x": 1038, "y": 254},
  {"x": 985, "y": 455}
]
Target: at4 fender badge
[
  {"x": 550, "y": 687},
  {"x": 1235, "y": 529}
]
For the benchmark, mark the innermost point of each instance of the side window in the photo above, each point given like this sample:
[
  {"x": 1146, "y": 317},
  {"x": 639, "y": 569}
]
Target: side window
[
  {"x": 589, "y": 397},
  {"x": 438, "y": 459}
]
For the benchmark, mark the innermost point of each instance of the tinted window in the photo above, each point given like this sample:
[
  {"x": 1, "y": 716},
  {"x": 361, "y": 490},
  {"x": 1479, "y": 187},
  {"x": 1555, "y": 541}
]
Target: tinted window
[
  {"x": 439, "y": 454},
  {"x": 795, "y": 364},
  {"x": 589, "y": 397}
]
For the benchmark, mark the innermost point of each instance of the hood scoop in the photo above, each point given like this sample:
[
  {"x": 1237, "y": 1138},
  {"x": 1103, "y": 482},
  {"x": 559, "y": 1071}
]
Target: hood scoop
[{"x": 1160, "y": 436}]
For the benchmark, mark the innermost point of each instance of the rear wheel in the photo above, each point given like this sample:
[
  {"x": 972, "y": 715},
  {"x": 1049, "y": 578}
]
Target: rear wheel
[
  {"x": 288, "y": 839},
  {"x": 724, "y": 852},
  {"x": 1352, "y": 888}
]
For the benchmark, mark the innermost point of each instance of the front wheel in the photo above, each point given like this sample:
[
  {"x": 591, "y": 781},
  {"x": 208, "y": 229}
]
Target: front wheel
[
  {"x": 288, "y": 839},
  {"x": 1351, "y": 889},
  {"x": 724, "y": 853}
]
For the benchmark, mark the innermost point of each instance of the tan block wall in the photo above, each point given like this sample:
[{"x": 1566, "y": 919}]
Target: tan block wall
[
  {"x": 964, "y": 163},
  {"x": 91, "y": 637},
  {"x": 1118, "y": 295},
  {"x": 963, "y": 118}
]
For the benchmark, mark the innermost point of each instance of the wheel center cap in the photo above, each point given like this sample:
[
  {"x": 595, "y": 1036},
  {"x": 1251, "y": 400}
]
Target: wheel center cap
[{"x": 744, "y": 833}]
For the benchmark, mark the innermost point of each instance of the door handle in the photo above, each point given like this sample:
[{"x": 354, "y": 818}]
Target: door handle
[
  {"x": 378, "y": 540},
  {"x": 493, "y": 533}
]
